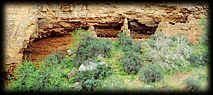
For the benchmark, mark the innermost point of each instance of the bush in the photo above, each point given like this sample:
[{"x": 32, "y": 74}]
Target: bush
[
  {"x": 85, "y": 50},
  {"x": 48, "y": 76},
  {"x": 53, "y": 77},
  {"x": 151, "y": 73},
  {"x": 55, "y": 58},
  {"x": 131, "y": 62},
  {"x": 124, "y": 40},
  {"x": 137, "y": 47},
  {"x": 197, "y": 59},
  {"x": 168, "y": 52},
  {"x": 68, "y": 62},
  {"x": 192, "y": 84},
  {"x": 90, "y": 79},
  {"x": 52, "y": 80},
  {"x": 199, "y": 55},
  {"x": 25, "y": 74},
  {"x": 127, "y": 43},
  {"x": 201, "y": 49},
  {"x": 116, "y": 44},
  {"x": 90, "y": 47},
  {"x": 103, "y": 71},
  {"x": 87, "y": 81},
  {"x": 105, "y": 47}
]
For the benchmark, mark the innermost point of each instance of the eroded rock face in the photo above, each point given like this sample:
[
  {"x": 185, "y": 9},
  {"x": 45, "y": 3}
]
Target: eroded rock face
[
  {"x": 20, "y": 24},
  {"x": 26, "y": 22}
]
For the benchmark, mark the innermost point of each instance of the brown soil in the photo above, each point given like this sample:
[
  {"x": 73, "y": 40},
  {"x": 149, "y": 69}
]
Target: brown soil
[{"x": 43, "y": 47}]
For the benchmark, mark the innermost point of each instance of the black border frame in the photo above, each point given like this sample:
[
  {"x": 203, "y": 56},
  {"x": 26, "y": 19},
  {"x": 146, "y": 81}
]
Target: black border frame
[{"x": 101, "y": 92}]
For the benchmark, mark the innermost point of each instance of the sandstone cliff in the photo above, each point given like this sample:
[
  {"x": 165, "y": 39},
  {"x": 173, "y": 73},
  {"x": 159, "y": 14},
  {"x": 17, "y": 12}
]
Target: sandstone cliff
[{"x": 26, "y": 22}]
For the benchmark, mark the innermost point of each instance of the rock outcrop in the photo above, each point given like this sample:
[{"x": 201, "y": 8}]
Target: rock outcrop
[{"x": 27, "y": 22}]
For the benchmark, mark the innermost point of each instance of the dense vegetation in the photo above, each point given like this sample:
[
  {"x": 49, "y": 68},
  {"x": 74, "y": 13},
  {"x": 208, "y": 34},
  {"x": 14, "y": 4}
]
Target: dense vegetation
[{"x": 149, "y": 62}]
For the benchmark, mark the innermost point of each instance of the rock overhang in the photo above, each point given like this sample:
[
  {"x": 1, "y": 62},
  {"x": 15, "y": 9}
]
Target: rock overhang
[{"x": 56, "y": 20}]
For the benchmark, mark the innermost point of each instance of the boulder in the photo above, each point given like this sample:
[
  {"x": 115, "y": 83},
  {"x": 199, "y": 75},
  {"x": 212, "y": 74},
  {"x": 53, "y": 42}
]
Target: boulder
[
  {"x": 89, "y": 66},
  {"x": 76, "y": 86}
]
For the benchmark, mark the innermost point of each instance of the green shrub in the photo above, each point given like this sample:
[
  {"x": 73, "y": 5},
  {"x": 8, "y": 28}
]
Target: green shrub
[
  {"x": 168, "y": 52},
  {"x": 116, "y": 44},
  {"x": 197, "y": 59},
  {"x": 124, "y": 40},
  {"x": 103, "y": 71},
  {"x": 137, "y": 47},
  {"x": 90, "y": 79},
  {"x": 90, "y": 47},
  {"x": 68, "y": 62},
  {"x": 88, "y": 83},
  {"x": 48, "y": 76},
  {"x": 77, "y": 34},
  {"x": 53, "y": 77},
  {"x": 127, "y": 43},
  {"x": 25, "y": 74},
  {"x": 52, "y": 80},
  {"x": 55, "y": 58},
  {"x": 86, "y": 49},
  {"x": 131, "y": 62},
  {"x": 105, "y": 47},
  {"x": 192, "y": 84},
  {"x": 199, "y": 55},
  {"x": 205, "y": 58},
  {"x": 151, "y": 73}
]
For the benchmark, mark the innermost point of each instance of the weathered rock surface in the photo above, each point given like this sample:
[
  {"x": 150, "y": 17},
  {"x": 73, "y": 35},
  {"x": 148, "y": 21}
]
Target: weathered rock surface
[
  {"x": 20, "y": 24},
  {"x": 25, "y": 22},
  {"x": 90, "y": 66}
]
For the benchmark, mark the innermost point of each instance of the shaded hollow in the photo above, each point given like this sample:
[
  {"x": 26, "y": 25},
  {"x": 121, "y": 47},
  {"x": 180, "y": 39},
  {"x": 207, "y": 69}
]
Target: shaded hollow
[
  {"x": 110, "y": 29},
  {"x": 53, "y": 37},
  {"x": 139, "y": 30},
  {"x": 40, "y": 48}
]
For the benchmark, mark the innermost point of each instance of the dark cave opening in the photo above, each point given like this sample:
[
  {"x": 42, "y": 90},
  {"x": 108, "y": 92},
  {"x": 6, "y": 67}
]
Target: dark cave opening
[
  {"x": 108, "y": 30},
  {"x": 139, "y": 31}
]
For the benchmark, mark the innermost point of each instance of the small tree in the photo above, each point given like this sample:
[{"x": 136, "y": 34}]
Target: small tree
[{"x": 150, "y": 73}]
